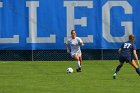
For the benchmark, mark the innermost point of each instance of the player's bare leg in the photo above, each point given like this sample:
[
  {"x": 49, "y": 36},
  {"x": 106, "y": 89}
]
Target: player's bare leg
[
  {"x": 80, "y": 59},
  {"x": 76, "y": 57},
  {"x": 133, "y": 63}
]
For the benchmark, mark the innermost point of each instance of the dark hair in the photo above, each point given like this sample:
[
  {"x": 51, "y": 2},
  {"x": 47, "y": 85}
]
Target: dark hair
[
  {"x": 131, "y": 38},
  {"x": 72, "y": 31}
]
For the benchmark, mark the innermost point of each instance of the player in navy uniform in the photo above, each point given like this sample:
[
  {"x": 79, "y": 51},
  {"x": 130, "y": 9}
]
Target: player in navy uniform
[{"x": 127, "y": 50}]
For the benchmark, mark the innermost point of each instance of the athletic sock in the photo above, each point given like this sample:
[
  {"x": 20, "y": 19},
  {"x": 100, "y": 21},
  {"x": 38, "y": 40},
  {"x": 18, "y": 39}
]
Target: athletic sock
[
  {"x": 138, "y": 70},
  {"x": 78, "y": 64},
  {"x": 118, "y": 68},
  {"x": 114, "y": 74}
]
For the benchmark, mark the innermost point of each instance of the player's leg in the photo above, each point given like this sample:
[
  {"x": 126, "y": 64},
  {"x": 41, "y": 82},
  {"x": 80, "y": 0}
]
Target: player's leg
[
  {"x": 121, "y": 59},
  {"x": 135, "y": 66},
  {"x": 80, "y": 59},
  {"x": 118, "y": 69},
  {"x": 76, "y": 57}
]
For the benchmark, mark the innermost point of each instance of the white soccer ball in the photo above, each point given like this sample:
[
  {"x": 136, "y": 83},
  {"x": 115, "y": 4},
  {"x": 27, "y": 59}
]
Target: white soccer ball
[{"x": 69, "y": 70}]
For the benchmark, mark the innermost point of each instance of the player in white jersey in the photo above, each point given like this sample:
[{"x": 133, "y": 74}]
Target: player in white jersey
[{"x": 75, "y": 43}]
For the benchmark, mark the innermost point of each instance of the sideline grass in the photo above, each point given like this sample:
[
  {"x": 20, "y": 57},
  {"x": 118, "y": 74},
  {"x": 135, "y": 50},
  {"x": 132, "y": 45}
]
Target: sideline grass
[{"x": 50, "y": 77}]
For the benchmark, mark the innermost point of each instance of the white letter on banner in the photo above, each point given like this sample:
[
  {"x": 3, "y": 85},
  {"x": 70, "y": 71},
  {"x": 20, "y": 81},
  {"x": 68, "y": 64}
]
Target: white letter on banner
[
  {"x": 1, "y": 4},
  {"x": 15, "y": 38},
  {"x": 33, "y": 25},
  {"x": 71, "y": 21},
  {"x": 106, "y": 21}
]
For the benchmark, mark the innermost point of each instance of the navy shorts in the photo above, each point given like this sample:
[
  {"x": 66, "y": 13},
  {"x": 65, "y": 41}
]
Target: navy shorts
[{"x": 126, "y": 59}]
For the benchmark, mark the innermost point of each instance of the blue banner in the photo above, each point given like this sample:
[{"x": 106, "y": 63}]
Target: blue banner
[{"x": 46, "y": 24}]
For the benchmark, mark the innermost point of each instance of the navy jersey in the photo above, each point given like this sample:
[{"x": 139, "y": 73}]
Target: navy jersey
[{"x": 127, "y": 49}]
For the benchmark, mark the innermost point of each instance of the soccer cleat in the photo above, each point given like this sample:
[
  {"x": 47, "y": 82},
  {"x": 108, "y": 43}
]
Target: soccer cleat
[
  {"x": 114, "y": 76},
  {"x": 78, "y": 70}
]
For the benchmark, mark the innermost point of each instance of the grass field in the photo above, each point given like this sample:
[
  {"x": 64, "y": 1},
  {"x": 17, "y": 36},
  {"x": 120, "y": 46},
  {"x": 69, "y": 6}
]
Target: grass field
[{"x": 51, "y": 77}]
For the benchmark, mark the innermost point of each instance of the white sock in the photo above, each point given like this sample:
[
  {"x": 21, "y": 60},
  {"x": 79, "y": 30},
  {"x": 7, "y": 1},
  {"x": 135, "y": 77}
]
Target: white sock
[
  {"x": 78, "y": 64},
  {"x": 114, "y": 74}
]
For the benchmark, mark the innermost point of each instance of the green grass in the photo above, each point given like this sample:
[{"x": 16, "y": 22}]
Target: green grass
[{"x": 51, "y": 77}]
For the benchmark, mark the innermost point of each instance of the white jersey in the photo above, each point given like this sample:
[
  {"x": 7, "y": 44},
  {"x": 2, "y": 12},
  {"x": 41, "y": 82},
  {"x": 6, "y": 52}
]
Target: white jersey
[{"x": 75, "y": 45}]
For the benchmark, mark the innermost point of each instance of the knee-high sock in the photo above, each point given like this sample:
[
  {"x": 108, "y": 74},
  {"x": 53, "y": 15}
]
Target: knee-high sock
[
  {"x": 118, "y": 68},
  {"x": 138, "y": 70},
  {"x": 78, "y": 64}
]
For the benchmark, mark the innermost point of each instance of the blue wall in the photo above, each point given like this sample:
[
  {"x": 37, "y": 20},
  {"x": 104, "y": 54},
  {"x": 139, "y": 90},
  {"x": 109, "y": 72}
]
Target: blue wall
[{"x": 45, "y": 24}]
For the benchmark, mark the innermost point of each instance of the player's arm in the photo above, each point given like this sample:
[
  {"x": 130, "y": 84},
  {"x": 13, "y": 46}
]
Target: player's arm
[
  {"x": 135, "y": 55},
  {"x": 67, "y": 48},
  {"x": 119, "y": 51},
  {"x": 80, "y": 41}
]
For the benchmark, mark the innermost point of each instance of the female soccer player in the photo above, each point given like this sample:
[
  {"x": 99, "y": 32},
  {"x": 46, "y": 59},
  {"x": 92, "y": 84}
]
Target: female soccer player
[
  {"x": 127, "y": 50},
  {"x": 75, "y": 43}
]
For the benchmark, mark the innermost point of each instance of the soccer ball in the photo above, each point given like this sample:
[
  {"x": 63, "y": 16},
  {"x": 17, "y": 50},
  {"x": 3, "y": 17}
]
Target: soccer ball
[{"x": 69, "y": 70}]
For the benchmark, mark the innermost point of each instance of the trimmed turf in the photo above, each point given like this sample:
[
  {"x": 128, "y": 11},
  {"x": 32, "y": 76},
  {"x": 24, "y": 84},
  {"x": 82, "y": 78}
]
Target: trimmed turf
[{"x": 51, "y": 77}]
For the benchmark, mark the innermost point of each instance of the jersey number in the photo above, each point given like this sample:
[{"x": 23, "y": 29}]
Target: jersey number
[{"x": 126, "y": 45}]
